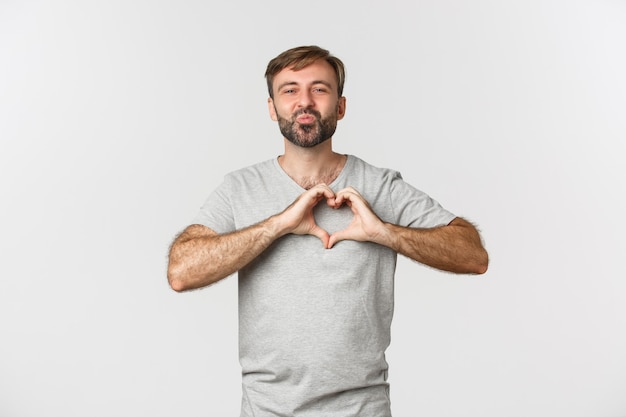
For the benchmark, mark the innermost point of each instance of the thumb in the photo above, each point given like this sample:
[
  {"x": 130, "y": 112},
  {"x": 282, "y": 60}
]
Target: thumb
[
  {"x": 321, "y": 234},
  {"x": 337, "y": 237}
]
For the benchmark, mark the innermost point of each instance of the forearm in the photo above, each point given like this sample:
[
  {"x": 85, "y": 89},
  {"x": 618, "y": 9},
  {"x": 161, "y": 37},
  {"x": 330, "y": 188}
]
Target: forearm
[
  {"x": 198, "y": 258},
  {"x": 456, "y": 247}
]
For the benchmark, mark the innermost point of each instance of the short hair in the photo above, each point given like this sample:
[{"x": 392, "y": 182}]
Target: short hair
[{"x": 300, "y": 57}]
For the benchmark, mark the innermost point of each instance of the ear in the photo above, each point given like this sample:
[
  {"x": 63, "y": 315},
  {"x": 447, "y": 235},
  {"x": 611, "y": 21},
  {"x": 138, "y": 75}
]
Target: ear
[
  {"x": 341, "y": 108},
  {"x": 272, "y": 109}
]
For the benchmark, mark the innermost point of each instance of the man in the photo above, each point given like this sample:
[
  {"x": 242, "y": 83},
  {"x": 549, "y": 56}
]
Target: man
[{"x": 314, "y": 237}]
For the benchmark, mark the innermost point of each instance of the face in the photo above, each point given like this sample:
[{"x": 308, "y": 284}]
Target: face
[{"x": 306, "y": 104}]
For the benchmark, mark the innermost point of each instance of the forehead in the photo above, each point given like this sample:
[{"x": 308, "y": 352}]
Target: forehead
[{"x": 318, "y": 71}]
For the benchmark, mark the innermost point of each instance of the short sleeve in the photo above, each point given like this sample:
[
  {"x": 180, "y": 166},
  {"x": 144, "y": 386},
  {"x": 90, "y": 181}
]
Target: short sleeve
[
  {"x": 216, "y": 213},
  {"x": 414, "y": 208}
]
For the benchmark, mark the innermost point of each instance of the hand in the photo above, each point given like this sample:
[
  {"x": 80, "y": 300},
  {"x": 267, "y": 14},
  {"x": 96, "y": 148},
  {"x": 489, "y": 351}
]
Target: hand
[
  {"x": 365, "y": 226},
  {"x": 298, "y": 217}
]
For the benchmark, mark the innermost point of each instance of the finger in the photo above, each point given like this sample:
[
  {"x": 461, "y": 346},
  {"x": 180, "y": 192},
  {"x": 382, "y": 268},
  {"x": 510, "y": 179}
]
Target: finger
[
  {"x": 341, "y": 199},
  {"x": 321, "y": 234},
  {"x": 323, "y": 189},
  {"x": 332, "y": 240},
  {"x": 311, "y": 197},
  {"x": 348, "y": 195},
  {"x": 338, "y": 237}
]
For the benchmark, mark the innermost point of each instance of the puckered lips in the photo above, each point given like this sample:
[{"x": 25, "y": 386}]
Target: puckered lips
[{"x": 305, "y": 119}]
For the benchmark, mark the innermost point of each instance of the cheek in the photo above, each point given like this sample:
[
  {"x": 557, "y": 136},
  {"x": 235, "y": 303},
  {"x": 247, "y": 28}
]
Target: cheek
[{"x": 285, "y": 113}]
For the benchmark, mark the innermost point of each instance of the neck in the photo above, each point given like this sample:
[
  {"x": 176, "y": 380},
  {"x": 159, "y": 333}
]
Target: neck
[{"x": 311, "y": 166}]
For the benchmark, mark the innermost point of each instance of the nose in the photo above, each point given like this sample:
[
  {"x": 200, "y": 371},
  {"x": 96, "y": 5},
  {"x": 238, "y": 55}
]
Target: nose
[{"x": 305, "y": 99}]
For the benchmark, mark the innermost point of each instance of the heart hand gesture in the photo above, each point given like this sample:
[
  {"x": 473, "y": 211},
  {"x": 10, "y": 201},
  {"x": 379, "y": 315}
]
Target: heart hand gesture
[
  {"x": 298, "y": 217},
  {"x": 365, "y": 226}
]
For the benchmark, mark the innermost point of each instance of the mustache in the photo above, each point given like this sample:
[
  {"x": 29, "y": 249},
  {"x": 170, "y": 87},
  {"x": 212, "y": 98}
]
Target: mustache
[{"x": 315, "y": 113}]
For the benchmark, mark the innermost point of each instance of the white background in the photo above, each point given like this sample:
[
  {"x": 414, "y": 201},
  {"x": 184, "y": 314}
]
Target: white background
[{"x": 117, "y": 118}]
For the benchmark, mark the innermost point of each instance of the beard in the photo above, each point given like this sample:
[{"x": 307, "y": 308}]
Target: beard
[{"x": 308, "y": 135}]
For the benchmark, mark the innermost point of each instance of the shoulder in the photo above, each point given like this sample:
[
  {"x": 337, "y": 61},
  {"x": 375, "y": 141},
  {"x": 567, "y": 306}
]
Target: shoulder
[
  {"x": 252, "y": 169},
  {"x": 372, "y": 172},
  {"x": 376, "y": 184},
  {"x": 254, "y": 172}
]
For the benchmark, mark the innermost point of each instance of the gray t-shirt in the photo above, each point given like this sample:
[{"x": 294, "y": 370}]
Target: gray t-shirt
[{"x": 314, "y": 323}]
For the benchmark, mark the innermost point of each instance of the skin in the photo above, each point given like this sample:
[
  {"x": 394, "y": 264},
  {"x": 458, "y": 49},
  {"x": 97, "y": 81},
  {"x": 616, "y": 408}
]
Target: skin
[{"x": 304, "y": 102}]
